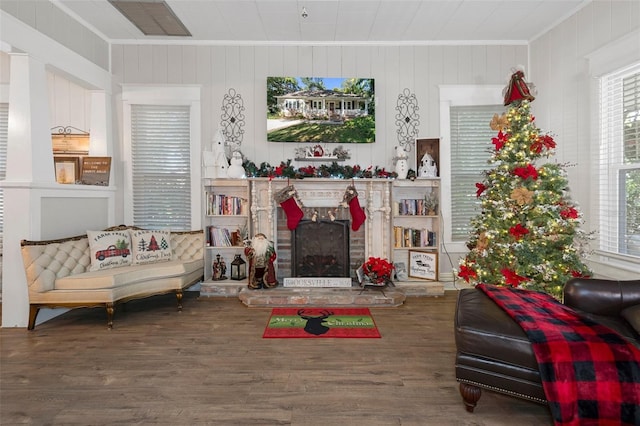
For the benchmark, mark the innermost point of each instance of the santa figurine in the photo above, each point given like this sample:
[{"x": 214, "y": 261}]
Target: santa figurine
[{"x": 261, "y": 256}]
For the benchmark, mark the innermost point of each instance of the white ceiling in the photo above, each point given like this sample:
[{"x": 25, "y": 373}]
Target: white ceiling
[{"x": 338, "y": 21}]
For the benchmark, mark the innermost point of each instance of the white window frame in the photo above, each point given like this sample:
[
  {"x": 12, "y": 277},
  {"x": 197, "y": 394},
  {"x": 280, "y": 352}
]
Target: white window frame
[
  {"x": 609, "y": 58},
  {"x": 458, "y": 95},
  {"x": 164, "y": 95},
  {"x": 611, "y": 163}
]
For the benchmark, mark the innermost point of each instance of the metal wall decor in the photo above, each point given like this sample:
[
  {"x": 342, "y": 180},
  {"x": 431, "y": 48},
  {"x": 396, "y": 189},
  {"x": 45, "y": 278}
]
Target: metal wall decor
[
  {"x": 407, "y": 119},
  {"x": 232, "y": 121},
  {"x": 67, "y": 130}
]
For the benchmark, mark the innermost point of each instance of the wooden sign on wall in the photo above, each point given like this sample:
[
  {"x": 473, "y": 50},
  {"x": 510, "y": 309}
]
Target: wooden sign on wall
[{"x": 96, "y": 171}]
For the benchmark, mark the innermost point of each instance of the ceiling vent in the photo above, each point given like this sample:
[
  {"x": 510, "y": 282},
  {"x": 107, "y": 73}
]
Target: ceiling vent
[{"x": 152, "y": 17}]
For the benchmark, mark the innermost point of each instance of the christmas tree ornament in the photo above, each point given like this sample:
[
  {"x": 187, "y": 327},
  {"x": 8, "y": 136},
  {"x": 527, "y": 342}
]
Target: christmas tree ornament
[
  {"x": 498, "y": 122},
  {"x": 288, "y": 199},
  {"x": 350, "y": 199},
  {"x": 517, "y": 89}
]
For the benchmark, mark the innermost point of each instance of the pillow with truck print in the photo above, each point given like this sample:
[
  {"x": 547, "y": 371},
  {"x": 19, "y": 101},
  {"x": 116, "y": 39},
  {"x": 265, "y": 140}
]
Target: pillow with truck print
[
  {"x": 109, "y": 249},
  {"x": 150, "y": 246}
]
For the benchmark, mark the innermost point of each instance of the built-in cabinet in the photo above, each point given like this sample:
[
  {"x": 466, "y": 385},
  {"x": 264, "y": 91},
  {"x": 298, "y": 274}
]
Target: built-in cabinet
[
  {"x": 415, "y": 233},
  {"x": 403, "y": 218},
  {"x": 226, "y": 222}
]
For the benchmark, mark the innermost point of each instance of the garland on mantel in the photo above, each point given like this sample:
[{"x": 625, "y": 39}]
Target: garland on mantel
[{"x": 334, "y": 170}]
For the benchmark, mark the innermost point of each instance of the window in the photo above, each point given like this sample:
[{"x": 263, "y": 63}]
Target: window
[
  {"x": 470, "y": 142},
  {"x": 619, "y": 162},
  {"x": 162, "y": 141},
  {"x": 160, "y": 162},
  {"x": 465, "y": 142}
]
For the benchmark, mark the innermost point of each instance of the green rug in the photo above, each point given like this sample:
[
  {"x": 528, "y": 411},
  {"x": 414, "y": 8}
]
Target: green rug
[{"x": 321, "y": 323}]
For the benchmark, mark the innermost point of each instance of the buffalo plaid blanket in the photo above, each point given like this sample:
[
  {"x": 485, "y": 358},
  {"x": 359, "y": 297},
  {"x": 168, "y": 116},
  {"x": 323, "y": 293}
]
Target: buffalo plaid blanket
[{"x": 590, "y": 374}]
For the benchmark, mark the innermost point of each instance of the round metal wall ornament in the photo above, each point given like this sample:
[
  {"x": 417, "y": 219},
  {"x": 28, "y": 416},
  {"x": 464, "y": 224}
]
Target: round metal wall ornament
[{"x": 407, "y": 119}]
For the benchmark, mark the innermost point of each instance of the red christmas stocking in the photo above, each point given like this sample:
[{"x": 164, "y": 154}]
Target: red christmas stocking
[
  {"x": 287, "y": 197},
  {"x": 357, "y": 213}
]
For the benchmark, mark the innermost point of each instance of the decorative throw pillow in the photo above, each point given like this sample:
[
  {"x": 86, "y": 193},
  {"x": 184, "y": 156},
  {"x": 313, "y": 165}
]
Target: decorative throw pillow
[
  {"x": 632, "y": 315},
  {"x": 109, "y": 249},
  {"x": 150, "y": 246}
]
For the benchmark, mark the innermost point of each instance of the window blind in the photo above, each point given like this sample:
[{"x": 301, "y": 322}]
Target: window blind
[
  {"x": 4, "y": 141},
  {"x": 161, "y": 173},
  {"x": 470, "y": 143},
  {"x": 619, "y": 162}
]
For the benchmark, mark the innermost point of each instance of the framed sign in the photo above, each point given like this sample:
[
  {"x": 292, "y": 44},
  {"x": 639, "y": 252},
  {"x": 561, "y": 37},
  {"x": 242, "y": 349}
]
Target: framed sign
[
  {"x": 67, "y": 169},
  {"x": 95, "y": 171},
  {"x": 423, "y": 265}
]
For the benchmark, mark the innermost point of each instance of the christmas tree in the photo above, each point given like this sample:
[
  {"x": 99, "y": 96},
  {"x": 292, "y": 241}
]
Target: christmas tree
[{"x": 527, "y": 234}]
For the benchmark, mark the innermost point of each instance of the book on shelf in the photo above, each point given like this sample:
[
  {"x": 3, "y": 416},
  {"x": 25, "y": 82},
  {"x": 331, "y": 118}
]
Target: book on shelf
[
  {"x": 226, "y": 205},
  {"x": 217, "y": 237},
  {"x": 411, "y": 237},
  {"x": 410, "y": 207}
]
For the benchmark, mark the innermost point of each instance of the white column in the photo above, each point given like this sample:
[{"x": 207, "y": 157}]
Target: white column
[
  {"x": 29, "y": 162},
  {"x": 100, "y": 132},
  {"x": 29, "y": 153}
]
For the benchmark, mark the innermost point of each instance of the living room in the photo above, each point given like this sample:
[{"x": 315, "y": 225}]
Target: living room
[{"x": 80, "y": 78}]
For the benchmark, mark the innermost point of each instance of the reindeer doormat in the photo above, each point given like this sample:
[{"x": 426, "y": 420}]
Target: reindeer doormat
[{"x": 321, "y": 322}]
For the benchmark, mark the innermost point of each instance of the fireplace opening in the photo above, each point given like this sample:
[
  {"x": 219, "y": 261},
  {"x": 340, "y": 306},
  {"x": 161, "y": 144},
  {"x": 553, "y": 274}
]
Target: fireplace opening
[{"x": 320, "y": 249}]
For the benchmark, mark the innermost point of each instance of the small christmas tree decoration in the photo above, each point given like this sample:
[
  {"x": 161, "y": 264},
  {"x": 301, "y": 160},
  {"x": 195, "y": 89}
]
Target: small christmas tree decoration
[
  {"x": 527, "y": 234},
  {"x": 287, "y": 197},
  {"x": 350, "y": 199}
]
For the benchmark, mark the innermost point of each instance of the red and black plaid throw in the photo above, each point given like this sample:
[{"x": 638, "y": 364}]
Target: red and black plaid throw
[{"x": 590, "y": 374}]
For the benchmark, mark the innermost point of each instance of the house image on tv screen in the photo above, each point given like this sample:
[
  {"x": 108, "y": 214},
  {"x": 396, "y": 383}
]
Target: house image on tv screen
[{"x": 339, "y": 110}]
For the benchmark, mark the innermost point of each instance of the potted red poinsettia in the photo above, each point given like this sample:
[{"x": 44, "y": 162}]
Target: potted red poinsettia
[{"x": 377, "y": 271}]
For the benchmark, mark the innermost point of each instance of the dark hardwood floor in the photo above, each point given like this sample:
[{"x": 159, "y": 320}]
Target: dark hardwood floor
[{"x": 210, "y": 365}]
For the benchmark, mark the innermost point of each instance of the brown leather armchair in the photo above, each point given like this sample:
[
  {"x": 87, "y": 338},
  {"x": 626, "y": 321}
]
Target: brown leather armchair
[{"x": 494, "y": 353}]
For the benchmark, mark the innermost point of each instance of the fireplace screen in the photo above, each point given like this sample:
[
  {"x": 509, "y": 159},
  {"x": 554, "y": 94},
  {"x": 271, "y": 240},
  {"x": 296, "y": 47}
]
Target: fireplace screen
[{"x": 321, "y": 249}]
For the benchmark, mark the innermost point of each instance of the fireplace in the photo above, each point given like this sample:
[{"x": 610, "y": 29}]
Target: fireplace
[
  {"x": 323, "y": 197},
  {"x": 320, "y": 249}
]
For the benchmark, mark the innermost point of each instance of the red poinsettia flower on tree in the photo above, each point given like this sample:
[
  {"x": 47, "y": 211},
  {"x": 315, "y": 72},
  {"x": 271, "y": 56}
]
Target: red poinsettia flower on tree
[
  {"x": 569, "y": 213},
  {"x": 467, "y": 273},
  {"x": 526, "y": 172},
  {"x": 500, "y": 141},
  {"x": 545, "y": 141},
  {"x": 518, "y": 231},
  {"x": 481, "y": 188},
  {"x": 511, "y": 278}
]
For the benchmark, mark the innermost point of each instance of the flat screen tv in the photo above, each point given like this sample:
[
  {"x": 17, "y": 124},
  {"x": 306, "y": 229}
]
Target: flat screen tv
[{"x": 321, "y": 110}]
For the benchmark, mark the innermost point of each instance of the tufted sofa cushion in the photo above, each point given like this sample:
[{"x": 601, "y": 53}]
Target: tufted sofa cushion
[
  {"x": 44, "y": 263},
  {"x": 187, "y": 245},
  {"x": 116, "y": 277}
]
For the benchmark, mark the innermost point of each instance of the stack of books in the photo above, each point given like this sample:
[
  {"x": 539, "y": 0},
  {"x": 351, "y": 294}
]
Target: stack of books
[
  {"x": 412, "y": 237},
  {"x": 220, "y": 204}
]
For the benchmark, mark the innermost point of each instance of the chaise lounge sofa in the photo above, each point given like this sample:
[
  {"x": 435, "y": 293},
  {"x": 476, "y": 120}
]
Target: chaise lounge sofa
[
  {"x": 494, "y": 353},
  {"x": 59, "y": 273}
]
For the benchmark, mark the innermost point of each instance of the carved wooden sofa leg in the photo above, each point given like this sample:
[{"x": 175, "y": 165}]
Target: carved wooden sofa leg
[
  {"x": 179, "y": 298},
  {"x": 33, "y": 313},
  {"x": 110, "y": 310},
  {"x": 470, "y": 395}
]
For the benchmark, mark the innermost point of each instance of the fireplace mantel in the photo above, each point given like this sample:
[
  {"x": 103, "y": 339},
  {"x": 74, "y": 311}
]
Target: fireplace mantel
[{"x": 373, "y": 195}]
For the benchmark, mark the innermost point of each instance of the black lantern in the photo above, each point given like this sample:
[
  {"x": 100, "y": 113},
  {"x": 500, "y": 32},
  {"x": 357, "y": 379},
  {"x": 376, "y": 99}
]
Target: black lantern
[{"x": 238, "y": 268}]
